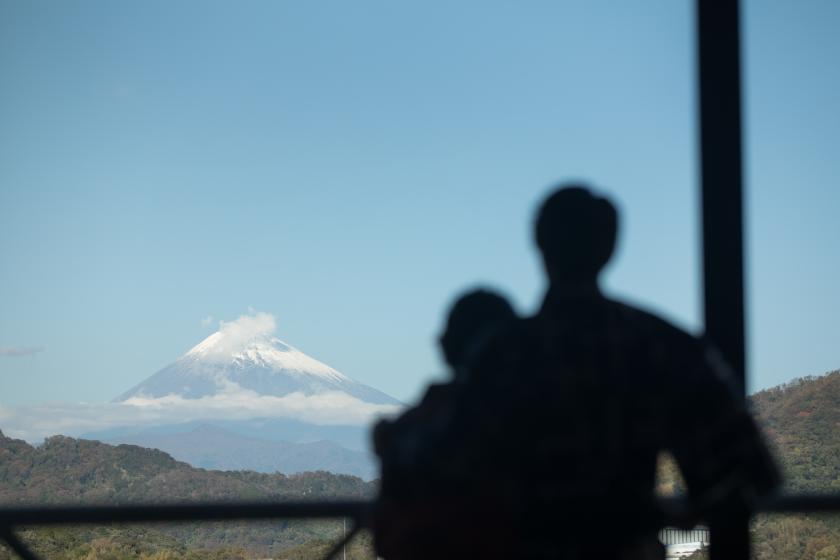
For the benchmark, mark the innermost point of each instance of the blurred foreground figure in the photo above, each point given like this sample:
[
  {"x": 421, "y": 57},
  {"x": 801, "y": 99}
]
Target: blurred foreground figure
[
  {"x": 563, "y": 415},
  {"x": 420, "y": 513}
]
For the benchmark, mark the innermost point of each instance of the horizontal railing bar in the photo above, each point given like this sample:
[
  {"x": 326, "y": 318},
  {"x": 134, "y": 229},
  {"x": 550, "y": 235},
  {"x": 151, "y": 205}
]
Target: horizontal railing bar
[
  {"x": 152, "y": 513},
  {"x": 676, "y": 511},
  {"x": 802, "y": 503}
]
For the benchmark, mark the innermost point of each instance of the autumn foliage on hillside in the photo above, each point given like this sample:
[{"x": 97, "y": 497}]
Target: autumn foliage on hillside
[
  {"x": 802, "y": 421},
  {"x": 71, "y": 471}
]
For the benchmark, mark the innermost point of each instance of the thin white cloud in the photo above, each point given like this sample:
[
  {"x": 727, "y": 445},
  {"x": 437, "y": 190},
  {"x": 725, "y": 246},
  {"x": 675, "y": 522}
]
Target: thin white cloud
[
  {"x": 207, "y": 321},
  {"x": 235, "y": 335},
  {"x": 248, "y": 327},
  {"x": 16, "y": 351},
  {"x": 34, "y": 423}
]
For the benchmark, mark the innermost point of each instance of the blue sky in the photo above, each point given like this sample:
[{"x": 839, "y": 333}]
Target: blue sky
[{"x": 350, "y": 167}]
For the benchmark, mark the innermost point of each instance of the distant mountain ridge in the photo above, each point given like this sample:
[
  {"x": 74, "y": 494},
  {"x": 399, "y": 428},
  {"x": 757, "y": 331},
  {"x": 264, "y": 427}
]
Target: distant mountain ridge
[
  {"x": 268, "y": 429},
  {"x": 211, "y": 447}
]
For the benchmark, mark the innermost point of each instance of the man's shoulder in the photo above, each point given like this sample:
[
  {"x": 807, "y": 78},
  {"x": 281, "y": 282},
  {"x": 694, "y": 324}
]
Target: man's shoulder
[{"x": 646, "y": 322}]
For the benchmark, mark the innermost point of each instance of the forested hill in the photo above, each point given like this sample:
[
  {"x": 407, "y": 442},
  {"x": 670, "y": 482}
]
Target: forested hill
[
  {"x": 802, "y": 422},
  {"x": 67, "y": 470}
]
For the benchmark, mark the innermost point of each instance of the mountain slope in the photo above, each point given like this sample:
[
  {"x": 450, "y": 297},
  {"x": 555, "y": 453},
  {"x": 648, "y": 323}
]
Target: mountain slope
[
  {"x": 289, "y": 411},
  {"x": 211, "y": 447},
  {"x": 71, "y": 471},
  {"x": 267, "y": 429},
  {"x": 67, "y": 470},
  {"x": 260, "y": 363},
  {"x": 802, "y": 421}
]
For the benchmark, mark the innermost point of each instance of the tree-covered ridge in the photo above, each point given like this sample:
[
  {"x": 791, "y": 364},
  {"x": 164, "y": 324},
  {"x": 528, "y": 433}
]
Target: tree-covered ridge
[
  {"x": 148, "y": 543},
  {"x": 67, "y": 470},
  {"x": 802, "y": 422},
  {"x": 70, "y": 471}
]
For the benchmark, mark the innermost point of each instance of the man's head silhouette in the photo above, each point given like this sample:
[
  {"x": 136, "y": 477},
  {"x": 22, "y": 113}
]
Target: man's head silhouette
[{"x": 576, "y": 233}]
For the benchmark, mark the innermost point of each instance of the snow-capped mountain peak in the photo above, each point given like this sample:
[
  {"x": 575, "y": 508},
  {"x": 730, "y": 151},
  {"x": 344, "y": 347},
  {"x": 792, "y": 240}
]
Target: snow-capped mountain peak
[
  {"x": 262, "y": 351},
  {"x": 246, "y": 354}
]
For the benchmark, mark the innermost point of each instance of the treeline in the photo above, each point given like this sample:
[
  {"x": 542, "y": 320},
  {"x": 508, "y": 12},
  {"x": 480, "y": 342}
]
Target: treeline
[
  {"x": 70, "y": 471},
  {"x": 802, "y": 423},
  {"x": 67, "y": 470},
  {"x": 144, "y": 543}
]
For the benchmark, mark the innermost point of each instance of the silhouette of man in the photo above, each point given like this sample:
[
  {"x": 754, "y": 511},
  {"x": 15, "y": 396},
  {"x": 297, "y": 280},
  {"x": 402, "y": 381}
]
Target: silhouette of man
[
  {"x": 417, "y": 506},
  {"x": 564, "y": 414}
]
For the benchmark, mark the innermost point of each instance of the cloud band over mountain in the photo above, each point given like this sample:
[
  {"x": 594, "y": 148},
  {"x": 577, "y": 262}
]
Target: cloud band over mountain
[{"x": 34, "y": 423}]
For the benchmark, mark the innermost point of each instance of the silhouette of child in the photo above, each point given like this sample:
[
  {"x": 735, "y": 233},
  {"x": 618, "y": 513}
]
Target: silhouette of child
[{"x": 417, "y": 506}]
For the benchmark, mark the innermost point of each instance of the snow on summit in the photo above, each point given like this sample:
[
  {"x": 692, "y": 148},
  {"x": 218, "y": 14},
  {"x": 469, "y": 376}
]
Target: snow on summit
[
  {"x": 264, "y": 350},
  {"x": 243, "y": 374},
  {"x": 246, "y": 355}
]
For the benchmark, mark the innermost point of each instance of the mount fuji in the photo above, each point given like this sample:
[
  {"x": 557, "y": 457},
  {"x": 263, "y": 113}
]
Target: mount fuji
[
  {"x": 261, "y": 363},
  {"x": 244, "y": 399}
]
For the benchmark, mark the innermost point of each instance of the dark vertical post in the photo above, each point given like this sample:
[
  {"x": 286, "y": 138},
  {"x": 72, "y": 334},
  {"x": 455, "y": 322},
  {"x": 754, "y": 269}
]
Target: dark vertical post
[
  {"x": 719, "y": 64},
  {"x": 721, "y": 171}
]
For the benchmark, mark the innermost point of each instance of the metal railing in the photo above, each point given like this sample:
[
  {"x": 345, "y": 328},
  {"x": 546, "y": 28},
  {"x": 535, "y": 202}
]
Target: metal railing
[
  {"x": 359, "y": 512},
  {"x": 12, "y": 518}
]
